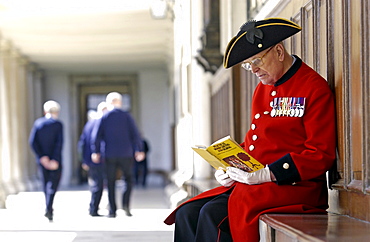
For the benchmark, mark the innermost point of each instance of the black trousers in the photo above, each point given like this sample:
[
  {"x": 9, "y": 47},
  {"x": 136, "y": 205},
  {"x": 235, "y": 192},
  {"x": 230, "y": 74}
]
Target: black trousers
[
  {"x": 96, "y": 184},
  {"x": 51, "y": 181},
  {"x": 200, "y": 220},
  {"x": 141, "y": 171},
  {"x": 125, "y": 165}
]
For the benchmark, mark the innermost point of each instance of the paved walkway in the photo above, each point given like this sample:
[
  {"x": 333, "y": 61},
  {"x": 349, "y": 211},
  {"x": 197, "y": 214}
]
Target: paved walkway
[{"x": 23, "y": 219}]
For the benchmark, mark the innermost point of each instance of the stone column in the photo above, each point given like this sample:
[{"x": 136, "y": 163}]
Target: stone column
[
  {"x": 21, "y": 171},
  {"x": 34, "y": 87},
  {"x": 4, "y": 151},
  {"x": 7, "y": 125}
]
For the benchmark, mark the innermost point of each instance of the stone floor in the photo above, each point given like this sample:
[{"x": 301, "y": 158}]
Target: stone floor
[{"x": 23, "y": 218}]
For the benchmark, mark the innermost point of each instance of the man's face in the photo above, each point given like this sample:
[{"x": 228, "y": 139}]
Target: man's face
[{"x": 272, "y": 68}]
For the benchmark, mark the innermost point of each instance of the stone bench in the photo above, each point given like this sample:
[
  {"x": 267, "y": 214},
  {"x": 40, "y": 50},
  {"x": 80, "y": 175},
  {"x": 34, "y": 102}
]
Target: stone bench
[{"x": 312, "y": 227}]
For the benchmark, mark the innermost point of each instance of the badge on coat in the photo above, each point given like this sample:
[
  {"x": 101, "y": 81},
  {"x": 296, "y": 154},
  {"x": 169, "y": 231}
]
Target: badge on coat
[{"x": 288, "y": 106}]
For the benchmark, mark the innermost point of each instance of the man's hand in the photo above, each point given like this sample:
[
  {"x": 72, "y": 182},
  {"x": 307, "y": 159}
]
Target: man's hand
[
  {"x": 49, "y": 164},
  {"x": 44, "y": 161},
  {"x": 139, "y": 156},
  {"x": 223, "y": 178},
  {"x": 251, "y": 178},
  {"x": 95, "y": 157},
  {"x": 85, "y": 167},
  {"x": 53, "y": 165}
]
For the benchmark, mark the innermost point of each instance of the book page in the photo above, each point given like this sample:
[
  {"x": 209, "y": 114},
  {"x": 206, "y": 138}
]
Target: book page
[
  {"x": 222, "y": 140},
  {"x": 229, "y": 151},
  {"x": 213, "y": 161}
]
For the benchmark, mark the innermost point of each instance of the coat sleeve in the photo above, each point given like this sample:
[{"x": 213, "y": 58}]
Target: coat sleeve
[
  {"x": 135, "y": 134},
  {"x": 96, "y": 136},
  {"x": 57, "y": 152},
  {"x": 33, "y": 141},
  {"x": 80, "y": 145}
]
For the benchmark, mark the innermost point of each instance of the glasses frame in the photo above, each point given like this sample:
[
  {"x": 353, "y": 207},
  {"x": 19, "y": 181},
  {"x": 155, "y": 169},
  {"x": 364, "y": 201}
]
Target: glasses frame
[{"x": 248, "y": 64}]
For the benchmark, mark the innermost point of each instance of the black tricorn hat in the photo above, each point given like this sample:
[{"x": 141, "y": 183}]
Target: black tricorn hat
[{"x": 256, "y": 36}]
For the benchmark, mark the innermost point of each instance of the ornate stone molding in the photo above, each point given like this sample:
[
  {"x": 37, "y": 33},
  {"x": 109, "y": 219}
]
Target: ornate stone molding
[{"x": 209, "y": 56}]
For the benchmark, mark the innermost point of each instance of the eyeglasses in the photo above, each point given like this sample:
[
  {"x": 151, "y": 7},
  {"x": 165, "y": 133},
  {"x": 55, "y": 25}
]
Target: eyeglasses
[{"x": 257, "y": 62}]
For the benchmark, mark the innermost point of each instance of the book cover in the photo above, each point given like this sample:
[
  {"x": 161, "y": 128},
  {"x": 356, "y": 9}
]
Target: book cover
[{"x": 227, "y": 152}]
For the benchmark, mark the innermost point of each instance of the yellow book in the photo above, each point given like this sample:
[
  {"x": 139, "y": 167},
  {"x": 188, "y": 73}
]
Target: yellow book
[{"x": 227, "y": 152}]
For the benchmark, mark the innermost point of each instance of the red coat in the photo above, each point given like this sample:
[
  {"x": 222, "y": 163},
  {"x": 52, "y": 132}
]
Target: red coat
[{"x": 293, "y": 131}]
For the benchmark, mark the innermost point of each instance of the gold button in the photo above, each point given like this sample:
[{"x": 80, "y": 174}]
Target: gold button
[
  {"x": 251, "y": 147},
  {"x": 257, "y": 116},
  {"x": 273, "y": 93},
  {"x": 266, "y": 112},
  {"x": 254, "y": 137},
  {"x": 286, "y": 166},
  {"x": 253, "y": 126}
]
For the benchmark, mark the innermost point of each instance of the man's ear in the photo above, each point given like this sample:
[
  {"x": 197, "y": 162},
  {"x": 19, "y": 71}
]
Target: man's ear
[{"x": 280, "y": 51}]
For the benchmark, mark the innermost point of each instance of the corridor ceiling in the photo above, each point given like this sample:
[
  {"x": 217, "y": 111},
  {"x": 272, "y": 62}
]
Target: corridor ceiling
[{"x": 84, "y": 36}]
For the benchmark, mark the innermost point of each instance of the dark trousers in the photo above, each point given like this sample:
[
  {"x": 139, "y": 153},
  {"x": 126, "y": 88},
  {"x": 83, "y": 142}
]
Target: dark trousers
[
  {"x": 200, "y": 220},
  {"x": 51, "y": 181},
  {"x": 96, "y": 183},
  {"x": 125, "y": 165},
  {"x": 141, "y": 171}
]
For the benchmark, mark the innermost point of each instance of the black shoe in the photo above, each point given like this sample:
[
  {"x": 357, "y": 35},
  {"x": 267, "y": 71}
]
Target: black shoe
[
  {"x": 95, "y": 214},
  {"x": 49, "y": 215},
  {"x": 112, "y": 215},
  {"x": 127, "y": 211}
]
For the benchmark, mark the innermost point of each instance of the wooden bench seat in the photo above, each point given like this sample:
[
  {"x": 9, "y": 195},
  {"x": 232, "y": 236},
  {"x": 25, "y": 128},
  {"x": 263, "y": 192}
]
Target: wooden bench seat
[
  {"x": 300, "y": 227},
  {"x": 313, "y": 227}
]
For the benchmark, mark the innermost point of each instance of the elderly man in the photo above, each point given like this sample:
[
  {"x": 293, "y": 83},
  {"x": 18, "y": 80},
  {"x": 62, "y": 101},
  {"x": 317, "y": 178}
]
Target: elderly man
[
  {"x": 123, "y": 143},
  {"x": 95, "y": 170},
  {"x": 46, "y": 140},
  {"x": 292, "y": 134}
]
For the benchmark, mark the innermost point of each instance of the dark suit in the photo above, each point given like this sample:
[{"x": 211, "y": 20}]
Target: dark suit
[
  {"x": 95, "y": 172},
  {"x": 118, "y": 130},
  {"x": 46, "y": 139}
]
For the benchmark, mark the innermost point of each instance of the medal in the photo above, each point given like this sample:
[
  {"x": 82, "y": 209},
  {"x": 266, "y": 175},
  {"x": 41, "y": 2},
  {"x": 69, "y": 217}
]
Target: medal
[
  {"x": 273, "y": 104},
  {"x": 273, "y": 112},
  {"x": 292, "y": 103},
  {"x": 287, "y": 106},
  {"x": 301, "y": 108}
]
